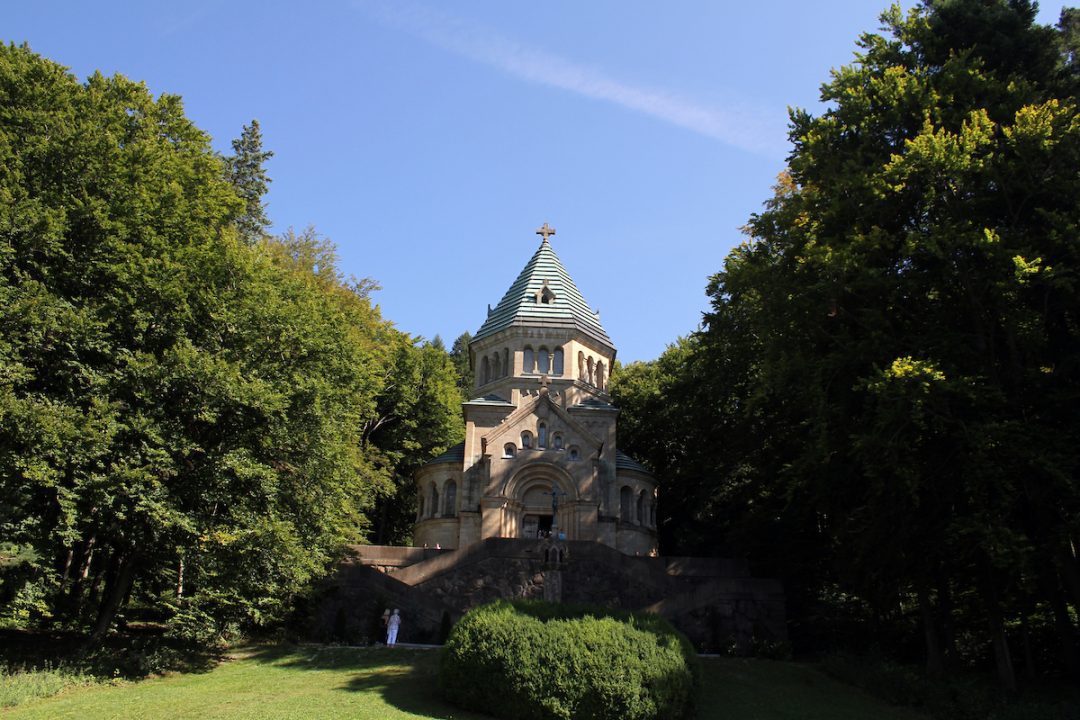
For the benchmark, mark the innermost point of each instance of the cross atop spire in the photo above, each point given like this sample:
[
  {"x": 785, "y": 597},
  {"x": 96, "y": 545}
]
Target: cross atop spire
[{"x": 546, "y": 231}]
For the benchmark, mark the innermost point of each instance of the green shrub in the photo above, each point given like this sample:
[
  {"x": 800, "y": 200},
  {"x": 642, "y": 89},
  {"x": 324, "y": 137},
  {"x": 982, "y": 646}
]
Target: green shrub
[{"x": 539, "y": 661}]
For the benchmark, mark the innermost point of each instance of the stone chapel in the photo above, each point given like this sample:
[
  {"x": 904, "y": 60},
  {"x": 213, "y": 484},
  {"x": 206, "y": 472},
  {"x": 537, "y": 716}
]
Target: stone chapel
[
  {"x": 539, "y": 502},
  {"x": 540, "y": 456}
]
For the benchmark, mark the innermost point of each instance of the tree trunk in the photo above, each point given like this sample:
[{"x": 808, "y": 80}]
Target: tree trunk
[
  {"x": 65, "y": 566},
  {"x": 935, "y": 663},
  {"x": 1029, "y": 656},
  {"x": 1070, "y": 576},
  {"x": 116, "y": 590},
  {"x": 180, "y": 579},
  {"x": 87, "y": 557},
  {"x": 945, "y": 613},
  {"x": 1002, "y": 657},
  {"x": 79, "y": 569},
  {"x": 92, "y": 592},
  {"x": 1065, "y": 631}
]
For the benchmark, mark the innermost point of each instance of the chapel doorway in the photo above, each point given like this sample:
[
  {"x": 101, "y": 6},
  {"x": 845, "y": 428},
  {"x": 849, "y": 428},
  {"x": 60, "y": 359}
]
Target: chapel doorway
[{"x": 535, "y": 526}]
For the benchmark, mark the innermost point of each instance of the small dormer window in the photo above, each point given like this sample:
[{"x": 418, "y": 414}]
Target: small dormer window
[
  {"x": 509, "y": 449},
  {"x": 556, "y": 441},
  {"x": 546, "y": 296},
  {"x": 526, "y": 439},
  {"x": 541, "y": 435}
]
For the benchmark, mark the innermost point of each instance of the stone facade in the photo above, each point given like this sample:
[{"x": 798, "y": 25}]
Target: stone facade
[{"x": 541, "y": 425}]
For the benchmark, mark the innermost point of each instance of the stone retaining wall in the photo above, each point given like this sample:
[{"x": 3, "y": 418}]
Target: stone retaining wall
[{"x": 714, "y": 601}]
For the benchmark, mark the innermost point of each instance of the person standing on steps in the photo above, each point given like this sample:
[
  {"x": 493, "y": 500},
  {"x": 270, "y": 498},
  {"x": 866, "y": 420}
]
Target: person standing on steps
[{"x": 392, "y": 626}]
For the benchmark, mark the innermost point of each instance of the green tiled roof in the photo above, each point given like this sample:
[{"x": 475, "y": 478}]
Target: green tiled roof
[
  {"x": 454, "y": 453},
  {"x": 625, "y": 462},
  {"x": 490, "y": 399},
  {"x": 521, "y": 304},
  {"x": 592, "y": 404}
]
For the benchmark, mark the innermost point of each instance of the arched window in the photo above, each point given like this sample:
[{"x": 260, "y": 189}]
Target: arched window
[
  {"x": 420, "y": 510},
  {"x": 451, "y": 499},
  {"x": 626, "y": 502},
  {"x": 640, "y": 508},
  {"x": 541, "y": 435},
  {"x": 591, "y": 377},
  {"x": 434, "y": 507},
  {"x": 485, "y": 371},
  {"x": 557, "y": 362},
  {"x": 581, "y": 366},
  {"x": 506, "y": 361},
  {"x": 600, "y": 375},
  {"x": 574, "y": 453},
  {"x": 526, "y": 439},
  {"x": 528, "y": 364},
  {"x": 543, "y": 359},
  {"x": 509, "y": 449},
  {"x": 496, "y": 367},
  {"x": 556, "y": 441}
]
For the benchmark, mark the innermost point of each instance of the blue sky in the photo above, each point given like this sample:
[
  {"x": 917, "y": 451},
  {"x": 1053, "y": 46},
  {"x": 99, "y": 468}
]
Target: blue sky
[{"x": 430, "y": 139}]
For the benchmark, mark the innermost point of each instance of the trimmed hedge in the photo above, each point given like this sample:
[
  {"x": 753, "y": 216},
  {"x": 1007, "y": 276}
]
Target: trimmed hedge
[{"x": 530, "y": 660}]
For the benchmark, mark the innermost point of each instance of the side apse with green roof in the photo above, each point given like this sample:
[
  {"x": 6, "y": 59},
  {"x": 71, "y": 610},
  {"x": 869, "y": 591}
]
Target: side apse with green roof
[{"x": 544, "y": 295}]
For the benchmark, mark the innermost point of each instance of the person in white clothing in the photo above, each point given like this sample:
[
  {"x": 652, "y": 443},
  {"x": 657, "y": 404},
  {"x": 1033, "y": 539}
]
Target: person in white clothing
[{"x": 392, "y": 626}]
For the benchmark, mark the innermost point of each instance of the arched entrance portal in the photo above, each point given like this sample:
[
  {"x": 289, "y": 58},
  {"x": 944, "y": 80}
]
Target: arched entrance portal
[{"x": 544, "y": 498}]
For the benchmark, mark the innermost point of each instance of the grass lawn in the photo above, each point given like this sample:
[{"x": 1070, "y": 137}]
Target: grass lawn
[
  {"x": 736, "y": 689},
  {"x": 325, "y": 682}
]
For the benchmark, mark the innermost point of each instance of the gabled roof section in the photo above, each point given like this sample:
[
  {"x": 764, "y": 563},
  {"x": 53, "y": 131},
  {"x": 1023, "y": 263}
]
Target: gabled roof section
[
  {"x": 544, "y": 295},
  {"x": 530, "y": 408}
]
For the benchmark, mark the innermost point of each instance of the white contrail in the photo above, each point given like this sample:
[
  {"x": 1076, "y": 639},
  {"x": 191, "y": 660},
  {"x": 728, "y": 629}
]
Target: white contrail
[{"x": 751, "y": 130}]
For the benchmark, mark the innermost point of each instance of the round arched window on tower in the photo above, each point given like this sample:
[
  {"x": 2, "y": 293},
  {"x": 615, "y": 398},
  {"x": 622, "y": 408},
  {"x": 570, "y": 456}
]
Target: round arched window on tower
[
  {"x": 451, "y": 499},
  {"x": 528, "y": 362}
]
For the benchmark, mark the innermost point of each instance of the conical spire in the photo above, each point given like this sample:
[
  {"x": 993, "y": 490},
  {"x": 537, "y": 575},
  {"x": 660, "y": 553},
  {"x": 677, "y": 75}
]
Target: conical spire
[{"x": 544, "y": 295}]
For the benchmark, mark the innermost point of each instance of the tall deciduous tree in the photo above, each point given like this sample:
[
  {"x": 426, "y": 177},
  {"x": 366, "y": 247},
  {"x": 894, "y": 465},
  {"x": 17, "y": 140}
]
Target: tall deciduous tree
[
  {"x": 183, "y": 414},
  {"x": 418, "y": 416},
  {"x": 900, "y": 332}
]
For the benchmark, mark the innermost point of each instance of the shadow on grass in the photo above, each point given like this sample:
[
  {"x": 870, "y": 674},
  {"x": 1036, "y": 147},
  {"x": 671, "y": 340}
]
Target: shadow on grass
[
  {"x": 130, "y": 655},
  {"x": 405, "y": 679}
]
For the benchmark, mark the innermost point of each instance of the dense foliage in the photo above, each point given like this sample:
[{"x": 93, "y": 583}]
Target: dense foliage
[
  {"x": 881, "y": 406},
  {"x": 539, "y": 661},
  {"x": 186, "y": 406}
]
